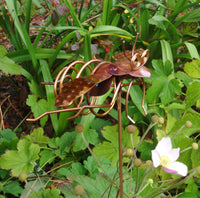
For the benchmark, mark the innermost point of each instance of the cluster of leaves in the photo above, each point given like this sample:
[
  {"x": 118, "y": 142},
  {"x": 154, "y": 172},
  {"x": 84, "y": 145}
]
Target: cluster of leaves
[{"x": 66, "y": 32}]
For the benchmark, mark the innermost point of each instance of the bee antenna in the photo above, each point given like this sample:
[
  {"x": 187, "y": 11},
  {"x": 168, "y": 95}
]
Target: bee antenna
[
  {"x": 135, "y": 44},
  {"x": 123, "y": 46}
]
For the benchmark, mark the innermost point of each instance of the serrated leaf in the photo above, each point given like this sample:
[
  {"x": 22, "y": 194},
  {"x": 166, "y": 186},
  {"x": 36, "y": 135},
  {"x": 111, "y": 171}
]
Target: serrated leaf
[
  {"x": 164, "y": 84},
  {"x": 37, "y": 136},
  {"x": 110, "y": 149},
  {"x": 38, "y": 107},
  {"x": 193, "y": 68},
  {"x": 21, "y": 160},
  {"x": 192, "y": 93}
]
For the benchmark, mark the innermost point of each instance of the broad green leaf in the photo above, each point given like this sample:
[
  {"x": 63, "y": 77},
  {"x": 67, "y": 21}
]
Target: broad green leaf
[
  {"x": 62, "y": 144},
  {"x": 166, "y": 52},
  {"x": 8, "y": 140},
  {"x": 191, "y": 16},
  {"x": 110, "y": 149},
  {"x": 3, "y": 51},
  {"x": 192, "y": 93},
  {"x": 193, "y": 50},
  {"x": 8, "y": 66},
  {"x": 46, "y": 156},
  {"x": 21, "y": 160},
  {"x": 13, "y": 189},
  {"x": 38, "y": 107},
  {"x": 145, "y": 149},
  {"x": 110, "y": 30},
  {"x": 91, "y": 137},
  {"x": 37, "y": 136},
  {"x": 193, "y": 68},
  {"x": 101, "y": 184},
  {"x": 183, "y": 77},
  {"x": 159, "y": 21},
  {"x": 164, "y": 84}
]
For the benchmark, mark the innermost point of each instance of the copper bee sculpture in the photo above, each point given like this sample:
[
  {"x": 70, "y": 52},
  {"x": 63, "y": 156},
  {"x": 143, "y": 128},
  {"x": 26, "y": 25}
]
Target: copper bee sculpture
[{"x": 106, "y": 75}]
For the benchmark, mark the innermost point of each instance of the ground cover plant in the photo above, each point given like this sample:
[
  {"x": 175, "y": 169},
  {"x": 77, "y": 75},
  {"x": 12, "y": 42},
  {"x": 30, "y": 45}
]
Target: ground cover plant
[{"x": 56, "y": 157}]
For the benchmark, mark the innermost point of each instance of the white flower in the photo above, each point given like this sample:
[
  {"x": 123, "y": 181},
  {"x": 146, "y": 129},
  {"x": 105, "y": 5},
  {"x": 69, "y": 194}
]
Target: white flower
[{"x": 163, "y": 155}]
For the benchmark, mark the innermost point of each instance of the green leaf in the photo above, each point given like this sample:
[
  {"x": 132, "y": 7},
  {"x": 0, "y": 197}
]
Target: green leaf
[
  {"x": 101, "y": 184},
  {"x": 164, "y": 84},
  {"x": 187, "y": 195},
  {"x": 193, "y": 50},
  {"x": 47, "y": 193},
  {"x": 3, "y": 51},
  {"x": 192, "y": 93},
  {"x": 191, "y": 16},
  {"x": 110, "y": 149},
  {"x": 21, "y": 160},
  {"x": 183, "y": 77},
  {"x": 110, "y": 30},
  {"x": 8, "y": 140},
  {"x": 166, "y": 52},
  {"x": 46, "y": 156},
  {"x": 186, "y": 132},
  {"x": 62, "y": 144},
  {"x": 8, "y": 66},
  {"x": 13, "y": 189},
  {"x": 194, "y": 158},
  {"x": 38, "y": 107},
  {"x": 193, "y": 68},
  {"x": 145, "y": 149},
  {"x": 37, "y": 136},
  {"x": 91, "y": 136}
]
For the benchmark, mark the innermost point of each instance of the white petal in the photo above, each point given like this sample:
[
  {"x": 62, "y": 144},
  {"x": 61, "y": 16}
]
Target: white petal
[
  {"x": 180, "y": 168},
  {"x": 164, "y": 146},
  {"x": 174, "y": 154},
  {"x": 155, "y": 158}
]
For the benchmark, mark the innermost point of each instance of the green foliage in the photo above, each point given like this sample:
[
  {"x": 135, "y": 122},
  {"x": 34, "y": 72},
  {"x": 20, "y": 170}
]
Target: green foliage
[
  {"x": 7, "y": 65},
  {"x": 109, "y": 148},
  {"x": 164, "y": 84},
  {"x": 55, "y": 165},
  {"x": 20, "y": 160}
]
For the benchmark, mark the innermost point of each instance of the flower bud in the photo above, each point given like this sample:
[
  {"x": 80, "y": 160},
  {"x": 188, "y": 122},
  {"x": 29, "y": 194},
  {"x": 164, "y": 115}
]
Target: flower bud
[
  {"x": 131, "y": 128},
  {"x": 149, "y": 163},
  {"x": 22, "y": 177},
  {"x": 138, "y": 162},
  {"x": 150, "y": 181},
  {"x": 79, "y": 190},
  {"x": 79, "y": 128},
  {"x": 195, "y": 146},
  {"x": 188, "y": 124},
  {"x": 161, "y": 120},
  {"x": 154, "y": 118},
  {"x": 129, "y": 152}
]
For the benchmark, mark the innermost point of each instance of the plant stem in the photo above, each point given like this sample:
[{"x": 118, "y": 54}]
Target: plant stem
[{"x": 120, "y": 143}]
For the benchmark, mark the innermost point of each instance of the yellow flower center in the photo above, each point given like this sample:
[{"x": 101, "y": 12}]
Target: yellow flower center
[{"x": 165, "y": 161}]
